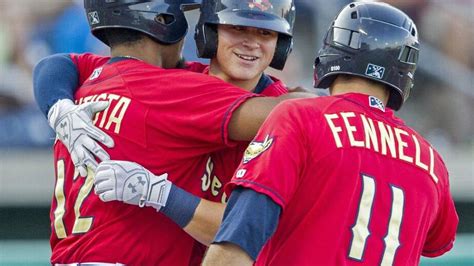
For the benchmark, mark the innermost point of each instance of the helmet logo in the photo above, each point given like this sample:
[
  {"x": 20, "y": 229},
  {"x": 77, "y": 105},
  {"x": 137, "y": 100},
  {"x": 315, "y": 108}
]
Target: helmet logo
[
  {"x": 260, "y": 4},
  {"x": 375, "y": 71},
  {"x": 94, "y": 18}
]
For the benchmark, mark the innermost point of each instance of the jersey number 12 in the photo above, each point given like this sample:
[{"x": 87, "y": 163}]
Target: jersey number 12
[{"x": 81, "y": 224}]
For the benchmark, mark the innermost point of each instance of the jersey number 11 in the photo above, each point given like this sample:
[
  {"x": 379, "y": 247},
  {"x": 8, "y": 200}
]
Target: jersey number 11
[{"x": 360, "y": 230}]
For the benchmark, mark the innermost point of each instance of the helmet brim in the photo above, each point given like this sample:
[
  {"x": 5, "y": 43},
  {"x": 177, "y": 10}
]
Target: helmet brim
[{"x": 256, "y": 19}]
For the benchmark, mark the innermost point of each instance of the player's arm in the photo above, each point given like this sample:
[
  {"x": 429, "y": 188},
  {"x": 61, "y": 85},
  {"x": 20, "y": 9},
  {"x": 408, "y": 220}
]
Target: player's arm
[
  {"x": 200, "y": 218},
  {"x": 441, "y": 236},
  {"x": 259, "y": 194},
  {"x": 206, "y": 220},
  {"x": 244, "y": 231},
  {"x": 117, "y": 180},
  {"x": 58, "y": 76},
  {"x": 55, "y": 80},
  {"x": 227, "y": 254},
  {"x": 247, "y": 119}
]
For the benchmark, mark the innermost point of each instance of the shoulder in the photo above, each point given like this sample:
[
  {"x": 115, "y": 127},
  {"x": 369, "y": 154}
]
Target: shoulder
[
  {"x": 298, "y": 109},
  {"x": 275, "y": 88},
  {"x": 89, "y": 57},
  {"x": 316, "y": 103},
  {"x": 177, "y": 79},
  {"x": 196, "y": 67}
]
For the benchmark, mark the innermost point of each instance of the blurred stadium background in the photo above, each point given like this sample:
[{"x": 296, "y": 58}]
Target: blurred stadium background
[{"x": 440, "y": 107}]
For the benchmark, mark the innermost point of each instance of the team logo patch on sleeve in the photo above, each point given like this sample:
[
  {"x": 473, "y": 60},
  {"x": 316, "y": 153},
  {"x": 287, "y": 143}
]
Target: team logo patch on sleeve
[
  {"x": 96, "y": 73},
  {"x": 375, "y": 71},
  {"x": 256, "y": 148},
  {"x": 374, "y": 102}
]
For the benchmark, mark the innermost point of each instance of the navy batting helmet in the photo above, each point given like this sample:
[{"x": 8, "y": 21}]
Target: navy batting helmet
[
  {"x": 374, "y": 41},
  {"x": 274, "y": 15},
  {"x": 140, "y": 15}
]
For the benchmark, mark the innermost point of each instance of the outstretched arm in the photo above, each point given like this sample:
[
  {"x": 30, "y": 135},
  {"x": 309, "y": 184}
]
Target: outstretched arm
[
  {"x": 133, "y": 184},
  {"x": 247, "y": 119},
  {"x": 206, "y": 221}
]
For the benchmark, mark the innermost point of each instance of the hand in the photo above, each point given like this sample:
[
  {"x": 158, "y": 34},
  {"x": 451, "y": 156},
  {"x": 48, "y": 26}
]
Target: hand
[
  {"x": 131, "y": 183},
  {"x": 74, "y": 127}
]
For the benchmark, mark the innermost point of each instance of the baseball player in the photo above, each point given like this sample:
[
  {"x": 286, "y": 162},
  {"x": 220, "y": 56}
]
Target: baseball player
[
  {"x": 108, "y": 82},
  {"x": 340, "y": 180},
  {"x": 218, "y": 32}
]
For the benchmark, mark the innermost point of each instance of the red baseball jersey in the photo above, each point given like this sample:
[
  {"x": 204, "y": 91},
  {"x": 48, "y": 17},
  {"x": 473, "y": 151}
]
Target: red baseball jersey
[
  {"x": 166, "y": 120},
  {"x": 222, "y": 164},
  {"x": 86, "y": 63},
  {"x": 355, "y": 184}
]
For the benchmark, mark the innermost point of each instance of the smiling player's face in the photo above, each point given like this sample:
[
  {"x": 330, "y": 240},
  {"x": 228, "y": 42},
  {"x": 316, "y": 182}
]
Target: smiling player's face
[{"x": 243, "y": 53}]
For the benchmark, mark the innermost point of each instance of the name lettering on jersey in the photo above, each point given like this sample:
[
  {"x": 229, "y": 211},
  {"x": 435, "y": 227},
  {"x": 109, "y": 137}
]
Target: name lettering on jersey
[
  {"x": 360, "y": 131},
  {"x": 211, "y": 182},
  {"x": 114, "y": 114},
  {"x": 256, "y": 148}
]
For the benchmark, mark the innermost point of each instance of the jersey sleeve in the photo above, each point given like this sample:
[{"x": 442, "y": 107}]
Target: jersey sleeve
[
  {"x": 86, "y": 63},
  {"x": 442, "y": 233},
  {"x": 272, "y": 163},
  {"x": 195, "y": 67},
  {"x": 275, "y": 89},
  {"x": 194, "y": 108},
  {"x": 243, "y": 226},
  {"x": 58, "y": 76},
  {"x": 54, "y": 77}
]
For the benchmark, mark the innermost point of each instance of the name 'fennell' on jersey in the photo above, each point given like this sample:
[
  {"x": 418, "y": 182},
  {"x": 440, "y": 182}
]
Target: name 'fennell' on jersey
[{"x": 390, "y": 140}]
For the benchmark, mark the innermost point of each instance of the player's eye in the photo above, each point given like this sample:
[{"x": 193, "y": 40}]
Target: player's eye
[
  {"x": 238, "y": 28},
  {"x": 267, "y": 33}
]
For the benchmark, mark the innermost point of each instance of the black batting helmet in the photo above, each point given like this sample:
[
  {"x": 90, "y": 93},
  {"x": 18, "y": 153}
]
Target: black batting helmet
[
  {"x": 374, "y": 41},
  {"x": 140, "y": 15},
  {"x": 274, "y": 15}
]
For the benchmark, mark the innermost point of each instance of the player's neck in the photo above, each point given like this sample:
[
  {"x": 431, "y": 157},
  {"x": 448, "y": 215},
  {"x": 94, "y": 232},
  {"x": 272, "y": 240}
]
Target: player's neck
[
  {"x": 165, "y": 56},
  {"x": 359, "y": 85},
  {"x": 247, "y": 84}
]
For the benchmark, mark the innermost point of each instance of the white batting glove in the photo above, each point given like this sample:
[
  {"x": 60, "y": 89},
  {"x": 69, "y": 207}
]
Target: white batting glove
[
  {"x": 74, "y": 127},
  {"x": 131, "y": 183}
]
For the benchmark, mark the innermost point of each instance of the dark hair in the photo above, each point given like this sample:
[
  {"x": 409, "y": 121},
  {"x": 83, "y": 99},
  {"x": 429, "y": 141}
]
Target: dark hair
[{"x": 121, "y": 36}]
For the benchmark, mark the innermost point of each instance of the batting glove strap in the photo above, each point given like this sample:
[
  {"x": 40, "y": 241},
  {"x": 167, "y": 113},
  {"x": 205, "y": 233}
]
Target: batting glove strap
[
  {"x": 158, "y": 192},
  {"x": 131, "y": 183}
]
